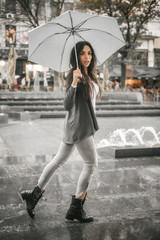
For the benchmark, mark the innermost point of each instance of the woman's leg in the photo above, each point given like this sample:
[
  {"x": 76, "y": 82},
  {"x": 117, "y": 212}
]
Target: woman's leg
[
  {"x": 33, "y": 196},
  {"x": 87, "y": 150},
  {"x": 62, "y": 155}
]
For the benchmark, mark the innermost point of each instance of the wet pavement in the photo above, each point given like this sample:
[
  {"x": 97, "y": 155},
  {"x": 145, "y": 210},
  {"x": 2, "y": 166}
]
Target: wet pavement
[{"x": 124, "y": 196}]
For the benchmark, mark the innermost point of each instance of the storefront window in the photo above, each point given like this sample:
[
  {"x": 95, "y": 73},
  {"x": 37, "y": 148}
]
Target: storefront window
[
  {"x": 157, "y": 58},
  {"x": 138, "y": 58}
]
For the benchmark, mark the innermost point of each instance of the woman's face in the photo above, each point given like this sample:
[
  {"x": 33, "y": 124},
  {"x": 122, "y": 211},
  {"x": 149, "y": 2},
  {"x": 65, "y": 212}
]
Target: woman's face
[{"x": 85, "y": 56}]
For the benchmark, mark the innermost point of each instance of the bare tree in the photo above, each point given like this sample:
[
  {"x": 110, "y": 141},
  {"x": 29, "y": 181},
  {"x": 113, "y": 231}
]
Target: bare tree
[
  {"x": 32, "y": 12},
  {"x": 132, "y": 16},
  {"x": 57, "y": 5},
  {"x": 35, "y": 12}
]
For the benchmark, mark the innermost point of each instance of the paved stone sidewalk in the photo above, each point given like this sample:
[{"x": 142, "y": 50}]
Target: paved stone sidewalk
[
  {"x": 124, "y": 199},
  {"x": 124, "y": 196}
]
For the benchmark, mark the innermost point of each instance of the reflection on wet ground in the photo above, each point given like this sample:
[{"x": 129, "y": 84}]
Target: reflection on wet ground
[{"x": 124, "y": 199}]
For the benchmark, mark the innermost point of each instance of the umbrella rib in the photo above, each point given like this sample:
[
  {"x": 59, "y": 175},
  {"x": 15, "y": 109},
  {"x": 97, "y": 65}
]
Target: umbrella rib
[
  {"x": 62, "y": 54},
  {"x": 46, "y": 39},
  {"x": 80, "y": 36},
  {"x": 59, "y": 25},
  {"x": 90, "y": 29},
  {"x": 71, "y": 22},
  {"x": 80, "y": 24}
]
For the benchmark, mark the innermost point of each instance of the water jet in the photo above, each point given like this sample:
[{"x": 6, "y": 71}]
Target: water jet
[{"x": 130, "y": 143}]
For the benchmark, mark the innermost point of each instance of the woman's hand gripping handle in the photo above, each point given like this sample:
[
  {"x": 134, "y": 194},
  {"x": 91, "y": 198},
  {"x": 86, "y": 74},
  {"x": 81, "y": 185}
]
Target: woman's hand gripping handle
[{"x": 77, "y": 75}]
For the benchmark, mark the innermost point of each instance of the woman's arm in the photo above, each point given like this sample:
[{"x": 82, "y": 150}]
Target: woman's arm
[
  {"x": 71, "y": 88},
  {"x": 70, "y": 94},
  {"x": 69, "y": 98}
]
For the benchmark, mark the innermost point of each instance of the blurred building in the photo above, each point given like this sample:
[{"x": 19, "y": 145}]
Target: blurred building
[
  {"x": 14, "y": 32},
  {"x": 143, "y": 64}
]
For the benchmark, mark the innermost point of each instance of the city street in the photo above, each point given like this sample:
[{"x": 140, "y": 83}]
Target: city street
[
  {"x": 92, "y": 60},
  {"x": 124, "y": 196}
]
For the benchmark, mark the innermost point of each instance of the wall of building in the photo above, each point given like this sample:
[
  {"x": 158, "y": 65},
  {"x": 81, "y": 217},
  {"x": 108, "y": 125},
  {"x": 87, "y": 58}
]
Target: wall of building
[
  {"x": 151, "y": 41},
  {"x": 148, "y": 44},
  {"x": 153, "y": 28},
  {"x": 21, "y": 41}
]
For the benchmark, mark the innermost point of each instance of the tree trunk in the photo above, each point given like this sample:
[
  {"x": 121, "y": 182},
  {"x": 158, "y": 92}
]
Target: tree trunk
[
  {"x": 105, "y": 84},
  {"x": 56, "y": 81},
  {"x": 123, "y": 76}
]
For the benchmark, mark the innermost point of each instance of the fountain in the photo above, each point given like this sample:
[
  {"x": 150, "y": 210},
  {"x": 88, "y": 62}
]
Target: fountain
[{"x": 131, "y": 143}]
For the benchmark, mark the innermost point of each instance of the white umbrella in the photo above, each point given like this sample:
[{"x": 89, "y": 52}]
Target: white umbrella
[{"x": 50, "y": 44}]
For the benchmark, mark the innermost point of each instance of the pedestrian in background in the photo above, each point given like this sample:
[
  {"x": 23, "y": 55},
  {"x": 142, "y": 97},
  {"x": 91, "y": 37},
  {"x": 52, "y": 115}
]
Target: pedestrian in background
[
  {"x": 23, "y": 83},
  {"x": 80, "y": 126}
]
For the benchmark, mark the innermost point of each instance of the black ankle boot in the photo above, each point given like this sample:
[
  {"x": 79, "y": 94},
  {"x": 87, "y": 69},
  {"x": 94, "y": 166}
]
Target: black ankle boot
[
  {"x": 84, "y": 199},
  {"x": 32, "y": 198},
  {"x": 76, "y": 211}
]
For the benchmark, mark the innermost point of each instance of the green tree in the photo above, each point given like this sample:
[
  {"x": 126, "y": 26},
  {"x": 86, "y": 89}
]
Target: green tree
[{"x": 132, "y": 17}]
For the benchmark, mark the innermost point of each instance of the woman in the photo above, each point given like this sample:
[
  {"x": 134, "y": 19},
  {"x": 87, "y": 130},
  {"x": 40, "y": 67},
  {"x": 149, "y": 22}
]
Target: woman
[{"x": 79, "y": 129}]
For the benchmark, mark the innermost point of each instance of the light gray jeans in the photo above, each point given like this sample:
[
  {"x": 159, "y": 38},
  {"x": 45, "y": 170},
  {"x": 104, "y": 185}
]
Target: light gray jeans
[{"x": 87, "y": 150}]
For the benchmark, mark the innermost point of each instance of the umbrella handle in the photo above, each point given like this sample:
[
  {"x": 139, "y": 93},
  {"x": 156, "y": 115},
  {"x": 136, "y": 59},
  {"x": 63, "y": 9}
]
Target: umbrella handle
[{"x": 75, "y": 50}]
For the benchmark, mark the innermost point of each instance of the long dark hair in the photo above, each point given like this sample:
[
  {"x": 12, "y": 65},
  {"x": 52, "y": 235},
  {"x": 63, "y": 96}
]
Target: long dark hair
[{"x": 85, "y": 84}]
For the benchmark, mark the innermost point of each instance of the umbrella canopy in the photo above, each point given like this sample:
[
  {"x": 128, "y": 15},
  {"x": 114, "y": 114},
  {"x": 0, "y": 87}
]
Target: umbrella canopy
[
  {"x": 50, "y": 44},
  {"x": 11, "y": 66}
]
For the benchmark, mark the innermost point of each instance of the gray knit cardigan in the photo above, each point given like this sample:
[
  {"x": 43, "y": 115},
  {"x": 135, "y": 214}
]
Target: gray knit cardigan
[{"x": 80, "y": 121}]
